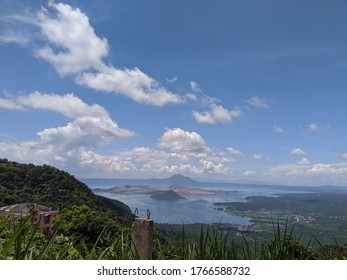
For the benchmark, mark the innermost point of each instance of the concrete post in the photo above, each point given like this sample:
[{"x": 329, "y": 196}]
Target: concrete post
[{"x": 142, "y": 238}]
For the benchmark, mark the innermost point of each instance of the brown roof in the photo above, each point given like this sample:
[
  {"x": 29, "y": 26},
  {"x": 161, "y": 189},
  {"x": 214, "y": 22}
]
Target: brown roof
[{"x": 24, "y": 208}]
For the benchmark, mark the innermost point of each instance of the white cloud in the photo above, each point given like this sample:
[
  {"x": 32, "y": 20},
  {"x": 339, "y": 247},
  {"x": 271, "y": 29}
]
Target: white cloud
[
  {"x": 195, "y": 86},
  {"x": 12, "y": 37},
  {"x": 172, "y": 80},
  {"x": 211, "y": 167},
  {"x": 344, "y": 156},
  {"x": 191, "y": 96},
  {"x": 235, "y": 152},
  {"x": 10, "y": 104},
  {"x": 73, "y": 48},
  {"x": 249, "y": 173},
  {"x": 303, "y": 161},
  {"x": 257, "y": 157},
  {"x": 140, "y": 160},
  {"x": 132, "y": 83},
  {"x": 77, "y": 46},
  {"x": 217, "y": 114},
  {"x": 91, "y": 124},
  {"x": 87, "y": 131},
  {"x": 184, "y": 143},
  {"x": 326, "y": 170},
  {"x": 204, "y": 117},
  {"x": 314, "y": 127},
  {"x": 279, "y": 129},
  {"x": 257, "y": 102},
  {"x": 298, "y": 152},
  {"x": 68, "y": 105}
]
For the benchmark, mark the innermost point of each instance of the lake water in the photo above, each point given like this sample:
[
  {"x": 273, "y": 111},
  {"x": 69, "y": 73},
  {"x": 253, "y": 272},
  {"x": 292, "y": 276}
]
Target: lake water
[{"x": 197, "y": 209}]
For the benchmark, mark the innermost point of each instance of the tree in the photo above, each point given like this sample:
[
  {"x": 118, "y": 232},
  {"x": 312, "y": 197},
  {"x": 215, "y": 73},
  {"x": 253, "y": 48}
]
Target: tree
[{"x": 82, "y": 224}]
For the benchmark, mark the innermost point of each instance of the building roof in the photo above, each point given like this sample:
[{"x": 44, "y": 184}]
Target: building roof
[{"x": 25, "y": 208}]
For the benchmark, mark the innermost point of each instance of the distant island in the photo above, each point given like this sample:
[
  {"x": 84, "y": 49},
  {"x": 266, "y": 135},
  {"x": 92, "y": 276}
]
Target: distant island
[
  {"x": 150, "y": 190},
  {"x": 166, "y": 195}
]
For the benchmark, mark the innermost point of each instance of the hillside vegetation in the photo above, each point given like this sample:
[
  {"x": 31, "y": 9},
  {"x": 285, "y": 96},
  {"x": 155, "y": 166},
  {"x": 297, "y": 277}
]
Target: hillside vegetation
[
  {"x": 51, "y": 187},
  {"x": 83, "y": 214}
]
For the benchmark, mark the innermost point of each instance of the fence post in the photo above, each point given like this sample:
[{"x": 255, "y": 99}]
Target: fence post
[{"x": 142, "y": 238}]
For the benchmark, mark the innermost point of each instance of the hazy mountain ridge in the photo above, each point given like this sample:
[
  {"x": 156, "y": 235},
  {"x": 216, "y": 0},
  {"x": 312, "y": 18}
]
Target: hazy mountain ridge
[
  {"x": 176, "y": 179},
  {"x": 180, "y": 180}
]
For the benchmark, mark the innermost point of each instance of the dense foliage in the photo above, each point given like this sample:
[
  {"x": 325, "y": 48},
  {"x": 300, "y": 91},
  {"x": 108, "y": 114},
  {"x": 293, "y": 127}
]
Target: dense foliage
[
  {"x": 20, "y": 183},
  {"x": 46, "y": 185}
]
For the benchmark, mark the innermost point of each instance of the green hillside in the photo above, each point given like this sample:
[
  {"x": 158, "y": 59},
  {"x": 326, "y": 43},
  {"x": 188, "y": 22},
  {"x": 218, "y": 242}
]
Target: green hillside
[{"x": 52, "y": 187}]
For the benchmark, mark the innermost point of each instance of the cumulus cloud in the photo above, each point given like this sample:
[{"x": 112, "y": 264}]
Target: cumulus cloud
[
  {"x": 257, "y": 102},
  {"x": 217, "y": 114},
  {"x": 303, "y": 161},
  {"x": 298, "y": 152},
  {"x": 30, "y": 151},
  {"x": 211, "y": 167},
  {"x": 87, "y": 131},
  {"x": 143, "y": 160},
  {"x": 91, "y": 125},
  {"x": 184, "y": 143},
  {"x": 327, "y": 170},
  {"x": 74, "y": 45},
  {"x": 73, "y": 48}
]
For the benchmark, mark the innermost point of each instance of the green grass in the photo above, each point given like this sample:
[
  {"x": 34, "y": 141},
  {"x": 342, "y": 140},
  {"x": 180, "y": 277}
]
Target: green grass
[{"x": 25, "y": 242}]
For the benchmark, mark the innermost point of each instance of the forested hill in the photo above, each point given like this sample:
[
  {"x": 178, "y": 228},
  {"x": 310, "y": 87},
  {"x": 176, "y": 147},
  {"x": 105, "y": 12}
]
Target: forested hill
[{"x": 54, "y": 188}]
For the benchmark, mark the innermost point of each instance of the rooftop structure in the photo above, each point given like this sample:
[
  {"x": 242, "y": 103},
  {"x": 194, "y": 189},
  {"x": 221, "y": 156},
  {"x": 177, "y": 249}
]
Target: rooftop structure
[{"x": 41, "y": 214}]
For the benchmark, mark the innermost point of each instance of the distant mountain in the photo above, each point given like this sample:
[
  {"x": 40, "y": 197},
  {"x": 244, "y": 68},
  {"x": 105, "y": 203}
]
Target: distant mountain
[{"x": 176, "y": 179}]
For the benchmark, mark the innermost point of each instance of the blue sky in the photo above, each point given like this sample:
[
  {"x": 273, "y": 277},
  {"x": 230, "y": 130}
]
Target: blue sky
[{"x": 218, "y": 90}]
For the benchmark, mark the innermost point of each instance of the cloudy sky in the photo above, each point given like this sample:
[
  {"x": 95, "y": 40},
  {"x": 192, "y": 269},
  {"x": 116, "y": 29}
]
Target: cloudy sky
[{"x": 220, "y": 90}]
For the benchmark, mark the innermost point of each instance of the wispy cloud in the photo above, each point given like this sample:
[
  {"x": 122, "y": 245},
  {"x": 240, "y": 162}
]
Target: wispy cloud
[
  {"x": 10, "y": 104},
  {"x": 12, "y": 37},
  {"x": 171, "y": 80},
  {"x": 313, "y": 127},
  {"x": 298, "y": 152},
  {"x": 235, "y": 152},
  {"x": 257, "y": 157},
  {"x": 257, "y": 102},
  {"x": 195, "y": 86},
  {"x": 279, "y": 130}
]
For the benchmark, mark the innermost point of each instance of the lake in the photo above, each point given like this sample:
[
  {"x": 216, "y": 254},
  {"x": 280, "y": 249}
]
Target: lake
[{"x": 195, "y": 209}]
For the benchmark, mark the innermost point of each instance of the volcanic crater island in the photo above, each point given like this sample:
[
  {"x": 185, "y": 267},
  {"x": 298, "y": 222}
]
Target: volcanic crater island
[{"x": 162, "y": 192}]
